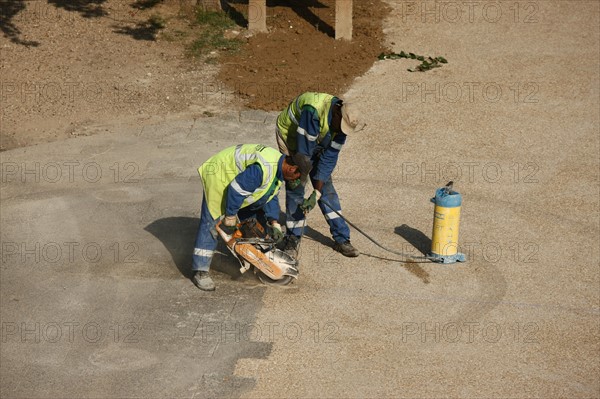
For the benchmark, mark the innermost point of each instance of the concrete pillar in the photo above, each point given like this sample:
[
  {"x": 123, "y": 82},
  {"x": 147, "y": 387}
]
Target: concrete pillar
[
  {"x": 257, "y": 15},
  {"x": 343, "y": 19}
]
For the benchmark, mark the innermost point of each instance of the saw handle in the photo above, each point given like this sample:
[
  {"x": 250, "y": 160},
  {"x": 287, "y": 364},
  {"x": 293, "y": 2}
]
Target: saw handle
[{"x": 232, "y": 237}]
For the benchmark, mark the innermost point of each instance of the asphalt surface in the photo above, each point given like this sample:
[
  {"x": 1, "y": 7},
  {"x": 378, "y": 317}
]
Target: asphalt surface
[{"x": 97, "y": 234}]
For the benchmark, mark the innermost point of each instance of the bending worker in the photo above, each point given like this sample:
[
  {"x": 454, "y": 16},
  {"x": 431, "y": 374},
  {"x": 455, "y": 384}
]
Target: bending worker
[
  {"x": 240, "y": 181},
  {"x": 313, "y": 129}
]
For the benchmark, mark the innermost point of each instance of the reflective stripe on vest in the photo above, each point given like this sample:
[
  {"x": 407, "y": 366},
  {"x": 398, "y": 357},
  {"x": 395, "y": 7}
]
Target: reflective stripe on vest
[
  {"x": 250, "y": 158},
  {"x": 287, "y": 122},
  {"x": 220, "y": 171},
  {"x": 291, "y": 115}
]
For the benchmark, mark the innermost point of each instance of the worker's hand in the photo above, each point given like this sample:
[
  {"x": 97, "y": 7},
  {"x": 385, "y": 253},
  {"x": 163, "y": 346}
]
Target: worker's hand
[
  {"x": 229, "y": 224},
  {"x": 310, "y": 202},
  {"x": 293, "y": 184},
  {"x": 276, "y": 232}
]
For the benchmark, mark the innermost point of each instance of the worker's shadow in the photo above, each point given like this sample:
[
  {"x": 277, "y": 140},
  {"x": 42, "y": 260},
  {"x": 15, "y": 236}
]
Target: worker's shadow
[
  {"x": 178, "y": 235},
  {"x": 314, "y": 235}
]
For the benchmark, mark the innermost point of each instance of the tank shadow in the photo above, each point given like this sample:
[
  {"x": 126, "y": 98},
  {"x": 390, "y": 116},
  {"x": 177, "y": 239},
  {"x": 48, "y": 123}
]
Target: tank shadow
[{"x": 415, "y": 237}]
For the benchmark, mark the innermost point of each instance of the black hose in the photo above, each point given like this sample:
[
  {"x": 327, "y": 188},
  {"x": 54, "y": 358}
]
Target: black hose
[{"x": 371, "y": 239}]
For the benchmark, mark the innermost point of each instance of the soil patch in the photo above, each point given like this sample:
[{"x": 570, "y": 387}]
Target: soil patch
[
  {"x": 300, "y": 53},
  {"x": 78, "y": 68}
]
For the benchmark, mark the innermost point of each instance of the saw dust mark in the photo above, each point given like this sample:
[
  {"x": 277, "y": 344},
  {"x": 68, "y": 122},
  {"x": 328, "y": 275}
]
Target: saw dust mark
[
  {"x": 411, "y": 265},
  {"x": 417, "y": 270},
  {"x": 492, "y": 287}
]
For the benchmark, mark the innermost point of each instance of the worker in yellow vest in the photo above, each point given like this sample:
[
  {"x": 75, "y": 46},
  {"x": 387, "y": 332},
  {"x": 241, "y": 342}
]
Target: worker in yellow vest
[
  {"x": 239, "y": 182},
  {"x": 313, "y": 129}
]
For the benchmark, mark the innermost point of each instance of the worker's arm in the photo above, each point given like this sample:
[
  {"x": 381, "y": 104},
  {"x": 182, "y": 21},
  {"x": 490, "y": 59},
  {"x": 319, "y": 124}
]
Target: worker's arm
[
  {"x": 328, "y": 161},
  {"x": 242, "y": 187},
  {"x": 271, "y": 209}
]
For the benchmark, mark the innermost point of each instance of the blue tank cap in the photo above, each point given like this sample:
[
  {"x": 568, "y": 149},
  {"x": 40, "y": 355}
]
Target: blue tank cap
[{"x": 451, "y": 199}]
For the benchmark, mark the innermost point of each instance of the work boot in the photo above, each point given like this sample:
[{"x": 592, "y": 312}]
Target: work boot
[
  {"x": 203, "y": 281},
  {"x": 346, "y": 249},
  {"x": 289, "y": 245}
]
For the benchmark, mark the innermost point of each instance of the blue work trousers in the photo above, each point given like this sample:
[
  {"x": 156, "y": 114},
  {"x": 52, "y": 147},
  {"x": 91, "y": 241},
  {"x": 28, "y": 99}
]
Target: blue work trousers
[
  {"x": 295, "y": 218},
  {"x": 206, "y": 237},
  {"x": 206, "y": 240}
]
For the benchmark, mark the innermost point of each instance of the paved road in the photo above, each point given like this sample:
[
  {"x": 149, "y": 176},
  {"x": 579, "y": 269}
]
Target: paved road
[
  {"x": 96, "y": 241},
  {"x": 97, "y": 231}
]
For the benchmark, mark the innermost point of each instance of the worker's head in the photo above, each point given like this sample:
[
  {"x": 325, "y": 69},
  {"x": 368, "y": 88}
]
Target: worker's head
[
  {"x": 345, "y": 118},
  {"x": 291, "y": 172}
]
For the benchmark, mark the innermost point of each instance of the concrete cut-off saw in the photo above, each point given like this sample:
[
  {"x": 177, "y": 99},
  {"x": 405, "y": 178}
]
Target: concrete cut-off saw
[{"x": 252, "y": 246}]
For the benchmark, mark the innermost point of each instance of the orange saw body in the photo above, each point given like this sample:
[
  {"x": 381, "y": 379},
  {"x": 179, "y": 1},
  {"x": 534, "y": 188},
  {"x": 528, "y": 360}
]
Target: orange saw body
[{"x": 253, "y": 247}]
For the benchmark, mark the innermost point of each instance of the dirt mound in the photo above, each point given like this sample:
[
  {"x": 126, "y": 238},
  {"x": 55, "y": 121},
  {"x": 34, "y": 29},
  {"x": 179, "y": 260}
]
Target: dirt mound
[{"x": 299, "y": 53}]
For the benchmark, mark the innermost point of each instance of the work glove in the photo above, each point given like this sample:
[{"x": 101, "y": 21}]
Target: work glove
[
  {"x": 309, "y": 203},
  {"x": 276, "y": 232},
  {"x": 229, "y": 224},
  {"x": 294, "y": 184}
]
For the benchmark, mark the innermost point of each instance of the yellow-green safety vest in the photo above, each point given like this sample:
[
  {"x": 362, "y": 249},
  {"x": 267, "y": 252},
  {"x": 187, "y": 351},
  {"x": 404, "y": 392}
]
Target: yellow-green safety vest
[
  {"x": 288, "y": 119},
  {"x": 221, "y": 169}
]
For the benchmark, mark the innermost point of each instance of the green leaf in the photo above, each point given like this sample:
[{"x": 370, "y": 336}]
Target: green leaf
[{"x": 427, "y": 63}]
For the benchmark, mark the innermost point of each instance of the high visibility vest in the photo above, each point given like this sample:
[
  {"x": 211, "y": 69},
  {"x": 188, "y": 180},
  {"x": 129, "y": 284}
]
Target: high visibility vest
[
  {"x": 288, "y": 119},
  {"x": 221, "y": 169}
]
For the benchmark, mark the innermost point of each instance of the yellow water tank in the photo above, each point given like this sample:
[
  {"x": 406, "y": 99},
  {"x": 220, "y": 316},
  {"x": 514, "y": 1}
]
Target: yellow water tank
[{"x": 446, "y": 220}]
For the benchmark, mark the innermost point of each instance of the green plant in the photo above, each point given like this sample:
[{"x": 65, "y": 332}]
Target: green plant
[
  {"x": 427, "y": 63},
  {"x": 215, "y": 19},
  {"x": 156, "y": 22},
  {"x": 211, "y": 27}
]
